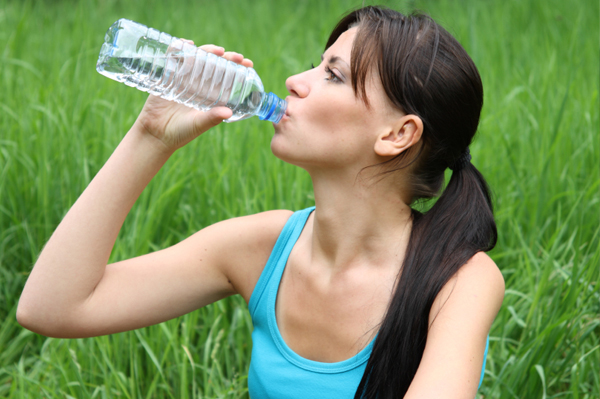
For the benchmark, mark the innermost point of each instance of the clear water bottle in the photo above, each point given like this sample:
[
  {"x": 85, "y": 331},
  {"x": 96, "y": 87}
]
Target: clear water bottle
[{"x": 173, "y": 69}]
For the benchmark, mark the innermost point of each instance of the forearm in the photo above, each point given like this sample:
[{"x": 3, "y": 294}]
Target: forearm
[{"x": 74, "y": 259}]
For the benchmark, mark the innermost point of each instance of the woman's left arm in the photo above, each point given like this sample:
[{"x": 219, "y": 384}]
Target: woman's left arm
[{"x": 459, "y": 322}]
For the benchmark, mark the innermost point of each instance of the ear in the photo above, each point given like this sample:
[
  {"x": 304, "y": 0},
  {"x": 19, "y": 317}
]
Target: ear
[{"x": 405, "y": 133}]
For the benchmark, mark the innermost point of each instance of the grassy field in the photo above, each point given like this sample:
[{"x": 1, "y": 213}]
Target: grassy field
[{"x": 538, "y": 146}]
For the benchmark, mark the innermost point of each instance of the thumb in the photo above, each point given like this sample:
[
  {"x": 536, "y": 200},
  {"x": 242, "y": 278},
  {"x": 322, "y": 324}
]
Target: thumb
[
  {"x": 211, "y": 118},
  {"x": 221, "y": 113}
]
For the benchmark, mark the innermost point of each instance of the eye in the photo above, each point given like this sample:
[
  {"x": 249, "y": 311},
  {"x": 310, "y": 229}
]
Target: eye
[{"x": 332, "y": 76}]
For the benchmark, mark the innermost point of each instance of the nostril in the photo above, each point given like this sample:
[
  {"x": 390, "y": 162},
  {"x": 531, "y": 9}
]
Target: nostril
[{"x": 289, "y": 85}]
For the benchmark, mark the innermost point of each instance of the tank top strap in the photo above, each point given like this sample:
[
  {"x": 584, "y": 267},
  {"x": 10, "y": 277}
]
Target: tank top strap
[
  {"x": 283, "y": 246},
  {"x": 487, "y": 346}
]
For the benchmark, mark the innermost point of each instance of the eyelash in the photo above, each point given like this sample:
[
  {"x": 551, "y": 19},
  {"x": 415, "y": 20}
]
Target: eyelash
[{"x": 332, "y": 78}]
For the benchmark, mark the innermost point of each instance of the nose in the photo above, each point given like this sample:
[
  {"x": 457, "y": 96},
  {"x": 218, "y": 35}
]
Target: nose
[{"x": 297, "y": 85}]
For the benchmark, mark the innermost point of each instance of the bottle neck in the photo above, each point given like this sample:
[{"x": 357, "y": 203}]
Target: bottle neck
[{"x": 272, "y": 108}]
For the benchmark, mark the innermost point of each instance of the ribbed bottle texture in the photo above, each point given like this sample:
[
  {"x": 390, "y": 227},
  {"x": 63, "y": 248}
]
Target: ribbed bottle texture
[{"x": 171, "y": 68}]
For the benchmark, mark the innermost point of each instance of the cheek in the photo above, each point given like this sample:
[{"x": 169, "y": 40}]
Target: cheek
[
  {"x": 332, "y": 117},
  {"x": 326, "y": 130}
]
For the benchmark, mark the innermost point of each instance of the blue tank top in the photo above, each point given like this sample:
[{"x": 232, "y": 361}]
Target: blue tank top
[{"x": 275, "y": 370}]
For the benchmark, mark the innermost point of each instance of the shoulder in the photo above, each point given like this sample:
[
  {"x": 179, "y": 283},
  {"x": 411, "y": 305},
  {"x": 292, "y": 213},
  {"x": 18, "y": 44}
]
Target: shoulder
[
  {"x": 257, "y": 226},
  {"x": 254, "y": 229},
  {"x": 247, "y": 243},
  {"x": 459, "y": 323},
  {"x": 479, "y": 280},
  {"x": 482, "y": 266},
  {"x": 480, "y": 274}
]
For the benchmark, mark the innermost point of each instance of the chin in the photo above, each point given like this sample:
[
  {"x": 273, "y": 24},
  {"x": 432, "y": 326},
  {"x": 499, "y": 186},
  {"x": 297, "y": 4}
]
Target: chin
[
  {"x": 282, "y": 150},
  {"x": 278, "y": 148}
]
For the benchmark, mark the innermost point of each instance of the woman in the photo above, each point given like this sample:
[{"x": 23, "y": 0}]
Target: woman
[{"x": 361, "y": 296}]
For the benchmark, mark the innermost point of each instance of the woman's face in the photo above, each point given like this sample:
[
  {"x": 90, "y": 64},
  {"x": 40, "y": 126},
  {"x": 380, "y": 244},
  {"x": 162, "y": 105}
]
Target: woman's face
[{"x": 326, "y": 125}]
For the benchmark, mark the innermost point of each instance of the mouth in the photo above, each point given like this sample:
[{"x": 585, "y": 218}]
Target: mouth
[
  {"x": 285, "y": 117},
  {"x": 287, "y": 109},
  {"x": 286, "y": 114}
]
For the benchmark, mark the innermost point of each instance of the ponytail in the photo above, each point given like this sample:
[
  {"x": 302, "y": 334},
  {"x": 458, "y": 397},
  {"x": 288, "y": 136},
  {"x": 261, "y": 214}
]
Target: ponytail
[{"x": 459, "y": 225}]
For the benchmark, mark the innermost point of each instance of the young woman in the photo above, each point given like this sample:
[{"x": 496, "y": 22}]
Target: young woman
[{"x": 360, "y": 296}]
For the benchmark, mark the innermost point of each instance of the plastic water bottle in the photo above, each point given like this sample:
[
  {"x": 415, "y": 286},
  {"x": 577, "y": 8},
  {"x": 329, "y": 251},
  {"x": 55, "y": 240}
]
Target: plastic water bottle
[{"x": 173, "y": 69}]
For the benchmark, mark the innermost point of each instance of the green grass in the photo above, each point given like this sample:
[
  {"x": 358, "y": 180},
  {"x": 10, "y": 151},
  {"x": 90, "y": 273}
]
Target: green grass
[{"x": 537, "y": 146}]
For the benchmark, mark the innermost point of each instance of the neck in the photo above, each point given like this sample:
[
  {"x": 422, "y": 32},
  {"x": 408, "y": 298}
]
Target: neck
[{"x": 358, "y": 222}]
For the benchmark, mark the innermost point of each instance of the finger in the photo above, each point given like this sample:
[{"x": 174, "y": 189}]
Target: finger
[
  {"x": 211, "y": 48},
  {"x": 238, "y": 58},
  {"x": 233, "y": 56}
]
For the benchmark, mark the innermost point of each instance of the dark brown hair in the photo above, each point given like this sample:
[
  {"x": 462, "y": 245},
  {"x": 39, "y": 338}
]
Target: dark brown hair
[{"x": 424, "y": 72}]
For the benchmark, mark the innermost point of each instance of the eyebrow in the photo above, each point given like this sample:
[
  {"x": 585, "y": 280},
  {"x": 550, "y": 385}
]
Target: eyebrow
[{"x": 335, "y": 59}]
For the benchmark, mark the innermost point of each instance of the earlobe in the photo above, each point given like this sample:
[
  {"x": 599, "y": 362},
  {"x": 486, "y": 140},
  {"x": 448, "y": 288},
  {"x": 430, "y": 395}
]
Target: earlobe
[{"x": 403, "y": 135}]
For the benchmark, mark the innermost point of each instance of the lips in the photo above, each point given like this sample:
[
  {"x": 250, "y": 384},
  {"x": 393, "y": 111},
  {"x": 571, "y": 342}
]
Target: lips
[
  {"x": 287, "y": 109},
  {"x": 285, "y": 116}
]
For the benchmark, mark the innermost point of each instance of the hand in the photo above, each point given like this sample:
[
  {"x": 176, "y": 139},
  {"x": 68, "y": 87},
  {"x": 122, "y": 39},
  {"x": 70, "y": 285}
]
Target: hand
[{"x": 175, "y": 125}]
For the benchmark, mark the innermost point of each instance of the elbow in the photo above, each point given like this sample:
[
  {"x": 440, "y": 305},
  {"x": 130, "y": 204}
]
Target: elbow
[
  {"x": 35, "y": 320},
  {"x": 26, "y": 319},
  {"x": 31, "y": 313}
]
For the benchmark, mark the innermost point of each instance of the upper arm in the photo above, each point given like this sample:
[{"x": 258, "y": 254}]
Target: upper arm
[
  {"x": 460, "y": 319},
  {"x": 218, "y": 261}
]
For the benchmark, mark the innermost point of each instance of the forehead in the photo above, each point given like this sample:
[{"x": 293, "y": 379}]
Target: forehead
[{"x": 343, "y": 45}]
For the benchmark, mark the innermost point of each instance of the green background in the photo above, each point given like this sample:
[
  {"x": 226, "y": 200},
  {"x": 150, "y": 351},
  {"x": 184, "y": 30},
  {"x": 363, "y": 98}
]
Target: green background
[{"x": 537, "y": 146}]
